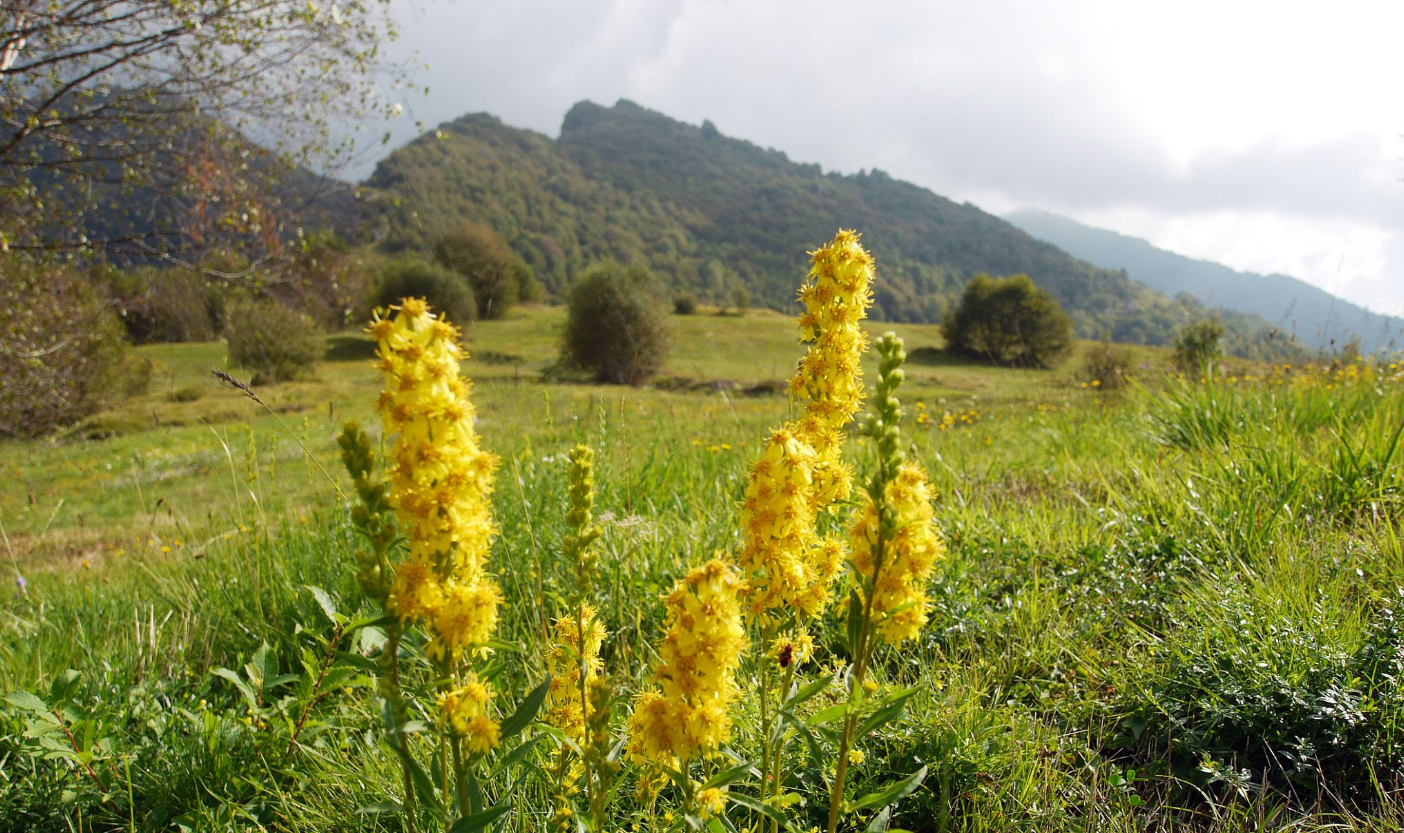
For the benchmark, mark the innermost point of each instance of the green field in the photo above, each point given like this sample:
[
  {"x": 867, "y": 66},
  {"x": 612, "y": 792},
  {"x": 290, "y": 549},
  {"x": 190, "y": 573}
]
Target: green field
[{"x": 1172, "y": 608}]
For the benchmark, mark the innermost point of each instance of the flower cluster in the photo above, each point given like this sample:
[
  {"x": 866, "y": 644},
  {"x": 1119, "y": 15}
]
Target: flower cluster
[
  {"x": 909, "y": 554},
  {"x": 688, "y": 715},
  {"x": 440, "y": 482},
  {"x": 569, "y": 657},
  {"x": 836, "y": 299},
  {"x": 464, "y": 710},
  {"x": 801, "y": 471}
]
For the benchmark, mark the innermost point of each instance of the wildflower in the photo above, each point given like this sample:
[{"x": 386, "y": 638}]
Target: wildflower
[
  {"x": 911, "y": 550},
  {"x": 569, "y": 656},
  {"x": 463, "y": 711},
  {"x": 440, "y": 482},
  {"x": 711, "y": 803},
  {"x": 687, "y": 715}
]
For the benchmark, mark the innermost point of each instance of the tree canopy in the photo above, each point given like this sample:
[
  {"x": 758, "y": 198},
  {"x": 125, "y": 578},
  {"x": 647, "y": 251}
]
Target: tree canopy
[
  {"x": 1010, "y": 321},
  {"x": 148, "y": 103}
]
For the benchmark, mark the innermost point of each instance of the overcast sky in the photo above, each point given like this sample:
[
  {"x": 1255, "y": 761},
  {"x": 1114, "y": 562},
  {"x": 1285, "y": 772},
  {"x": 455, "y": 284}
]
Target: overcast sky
[{"x": 1263, "y": 135}]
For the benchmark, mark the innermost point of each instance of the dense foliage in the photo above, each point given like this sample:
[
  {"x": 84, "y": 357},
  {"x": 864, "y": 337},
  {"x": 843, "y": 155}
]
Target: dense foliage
[
  {"x": 712, "y": 215},
  {"x": 618, "y": 325},
  {"x": 1009, "y": 321},
  {"x": 410, "y": 277},
  {"x": 63, "y": 354},
  {"x": 498, "y": 277},
  {"x": 273, "y": 341}
]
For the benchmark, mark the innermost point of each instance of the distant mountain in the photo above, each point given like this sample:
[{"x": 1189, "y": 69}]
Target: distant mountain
[
  {"x": 712, "y": 214},
  {"x": 1318, "y": 319}
]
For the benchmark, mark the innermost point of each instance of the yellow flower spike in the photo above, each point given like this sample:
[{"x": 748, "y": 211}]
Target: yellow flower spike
[
  {"x": 688, "y": 715},
  {"x": 899, "y": 597},
  {"x": 440, "y": 483},
  {"x": 563, "y": 707}
]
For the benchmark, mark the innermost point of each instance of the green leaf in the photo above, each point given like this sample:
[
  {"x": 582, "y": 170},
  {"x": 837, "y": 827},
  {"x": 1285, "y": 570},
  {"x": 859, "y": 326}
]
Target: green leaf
[
  {"x": 832, "y": 713},
  {"x": 517, "y": 754},
  {"x": 808, "y": 692},
  {"x": 31, "y": 703},
  {"x": 855, "y": 621},
  {"x": 478, "y": 821},
  {"x": 758, "y": 806},
  {"x": 881, "y": 716},
  {"x": 263, "y": 666},
  {"x": 729, "y": 776},
  {"x": 879, "y": 822},
  {"x": 239, "y": 683},
  {"x": 526, "y": 710},
  {"x": 380, "y": 808},
  {"x": 324, "y": 601},
  {"x": 893, "y": 793}
]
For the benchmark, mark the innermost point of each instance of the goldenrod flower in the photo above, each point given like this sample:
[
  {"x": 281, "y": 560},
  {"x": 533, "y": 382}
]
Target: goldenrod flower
[
  {"x": 909, "y": 555},
  {"x": 696, "y": 670},
  {"x": 778, "y": 522},
  {"x": 568, "y": 657},
  {"x": 464, "y": 711},
  {"x": 440, "y": 483},
  {"x": 711, "y": 802},
  {"x": 836, "y": 299}
]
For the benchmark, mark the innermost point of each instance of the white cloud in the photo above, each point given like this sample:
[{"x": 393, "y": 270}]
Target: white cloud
[{"x": 1261, "y": 134}]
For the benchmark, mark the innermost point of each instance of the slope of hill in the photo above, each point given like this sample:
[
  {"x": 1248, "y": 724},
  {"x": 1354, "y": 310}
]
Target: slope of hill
[
  {"x": 1319, "y": 319},
  {"x": 713, "y": 214}
]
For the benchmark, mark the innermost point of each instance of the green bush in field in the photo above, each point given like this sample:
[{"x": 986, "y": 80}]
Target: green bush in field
[
  {"x": 1009, "y": 321},
  {"x": 1199, "y": 345},
  {"x": 617, "y": 325},
  {"x": 1107, "y": 367},
  {"x": 63, "y": 355},
  {"x": 499, "y": 278},
  {"x": 410, "y": 277},
  {"x": 685, "y": 304},
  {"x": 276, "y": 343},
  {"x": 159, "y": 305}
]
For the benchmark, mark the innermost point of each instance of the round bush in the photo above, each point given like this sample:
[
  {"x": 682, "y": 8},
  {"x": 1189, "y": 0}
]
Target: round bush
[
  {"x": 617, "y": 325},
  {"x": 274, "y": 342},
  {"x": 447, "y": 292},
  {"x": 1009, "y": 321},
  {"x": 63, "y": 354},
  {"x": 685, "y": 304}
]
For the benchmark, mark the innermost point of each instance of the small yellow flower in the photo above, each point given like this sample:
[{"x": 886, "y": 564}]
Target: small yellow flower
[{"x": 711, "y": 802}]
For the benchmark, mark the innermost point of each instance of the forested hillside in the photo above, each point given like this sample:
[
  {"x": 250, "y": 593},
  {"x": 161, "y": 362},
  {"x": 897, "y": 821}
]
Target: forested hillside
[
  {"x": 713, "y": 214},
  {"x": 1319, "y": 319}
]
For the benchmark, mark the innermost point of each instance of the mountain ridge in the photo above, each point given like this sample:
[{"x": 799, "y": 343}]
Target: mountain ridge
[
  {"x": 1319, "y": 319},
  {"x": 713, "y": 214}
]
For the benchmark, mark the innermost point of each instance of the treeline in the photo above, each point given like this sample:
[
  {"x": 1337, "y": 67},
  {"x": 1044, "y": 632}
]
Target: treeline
[{"x": 711, "y": 215}]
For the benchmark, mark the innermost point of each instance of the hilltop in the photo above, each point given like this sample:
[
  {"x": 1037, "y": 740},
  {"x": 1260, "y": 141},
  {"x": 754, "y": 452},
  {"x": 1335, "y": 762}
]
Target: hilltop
[
  {"x": 1318, "y": 319},
  {"x": 713, "y": 214}
]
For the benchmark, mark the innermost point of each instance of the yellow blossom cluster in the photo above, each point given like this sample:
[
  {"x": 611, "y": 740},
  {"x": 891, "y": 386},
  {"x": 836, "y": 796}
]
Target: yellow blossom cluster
[
  {"x": 440, "y": 482},
  {"x": 464, "y": 710},
  {"x": 836, "y": 298},
  {"x": 801, "y": 471},
  {"x": 569, "y": 656},
  {"x": 688, "y": 715},
  {"x": 910, "y": 553}
]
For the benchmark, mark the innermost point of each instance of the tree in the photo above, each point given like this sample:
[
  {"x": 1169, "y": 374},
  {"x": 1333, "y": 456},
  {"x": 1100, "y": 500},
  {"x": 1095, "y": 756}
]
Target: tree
[
  {"x": 617, "y": 324},
  {"x": 498, "y": 277},
  {"x": 152, "y": 100},
  {"x": 1009, "y": 321},
  {"x": 446, "y": 291}
]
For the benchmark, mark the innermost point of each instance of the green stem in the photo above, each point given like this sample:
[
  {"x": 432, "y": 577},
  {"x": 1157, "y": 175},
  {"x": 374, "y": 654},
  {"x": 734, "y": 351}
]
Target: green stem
[{"x": 397, "y": 708}]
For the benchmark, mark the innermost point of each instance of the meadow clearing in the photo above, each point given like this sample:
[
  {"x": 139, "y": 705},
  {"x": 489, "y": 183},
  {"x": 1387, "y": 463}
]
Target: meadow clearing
[{"x": 1172, "y": 606}]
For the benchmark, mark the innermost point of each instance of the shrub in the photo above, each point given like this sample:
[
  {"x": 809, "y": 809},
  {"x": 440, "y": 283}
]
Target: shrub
[
  {"x": 685, "y": 304},
  {"x": 323, "y": 278},
  {"x": 1107, "y": 367},
  {"x": 1009, "y": 321},
  {"x": 161, "y": 305},
  {"x": 276, "y": 343},
  {"x": 63, "y": 354},
  {"x": 617, "y": 326},
  {"x": 498, "y": 277},
  {"x": 1199, "y": 345},
  {"x": 448, "y": 293}
]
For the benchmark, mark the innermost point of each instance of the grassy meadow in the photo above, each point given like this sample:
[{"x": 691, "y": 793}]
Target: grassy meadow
[{"x": 1169, "y": 607}]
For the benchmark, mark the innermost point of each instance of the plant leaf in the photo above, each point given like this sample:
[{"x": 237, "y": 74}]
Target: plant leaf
[
  {"x": 893, "y": 792},
  {"x": 526, "y": 710}
]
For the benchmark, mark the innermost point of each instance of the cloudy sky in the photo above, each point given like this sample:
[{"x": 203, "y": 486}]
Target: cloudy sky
[{"x": 1268, "y": 136}]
